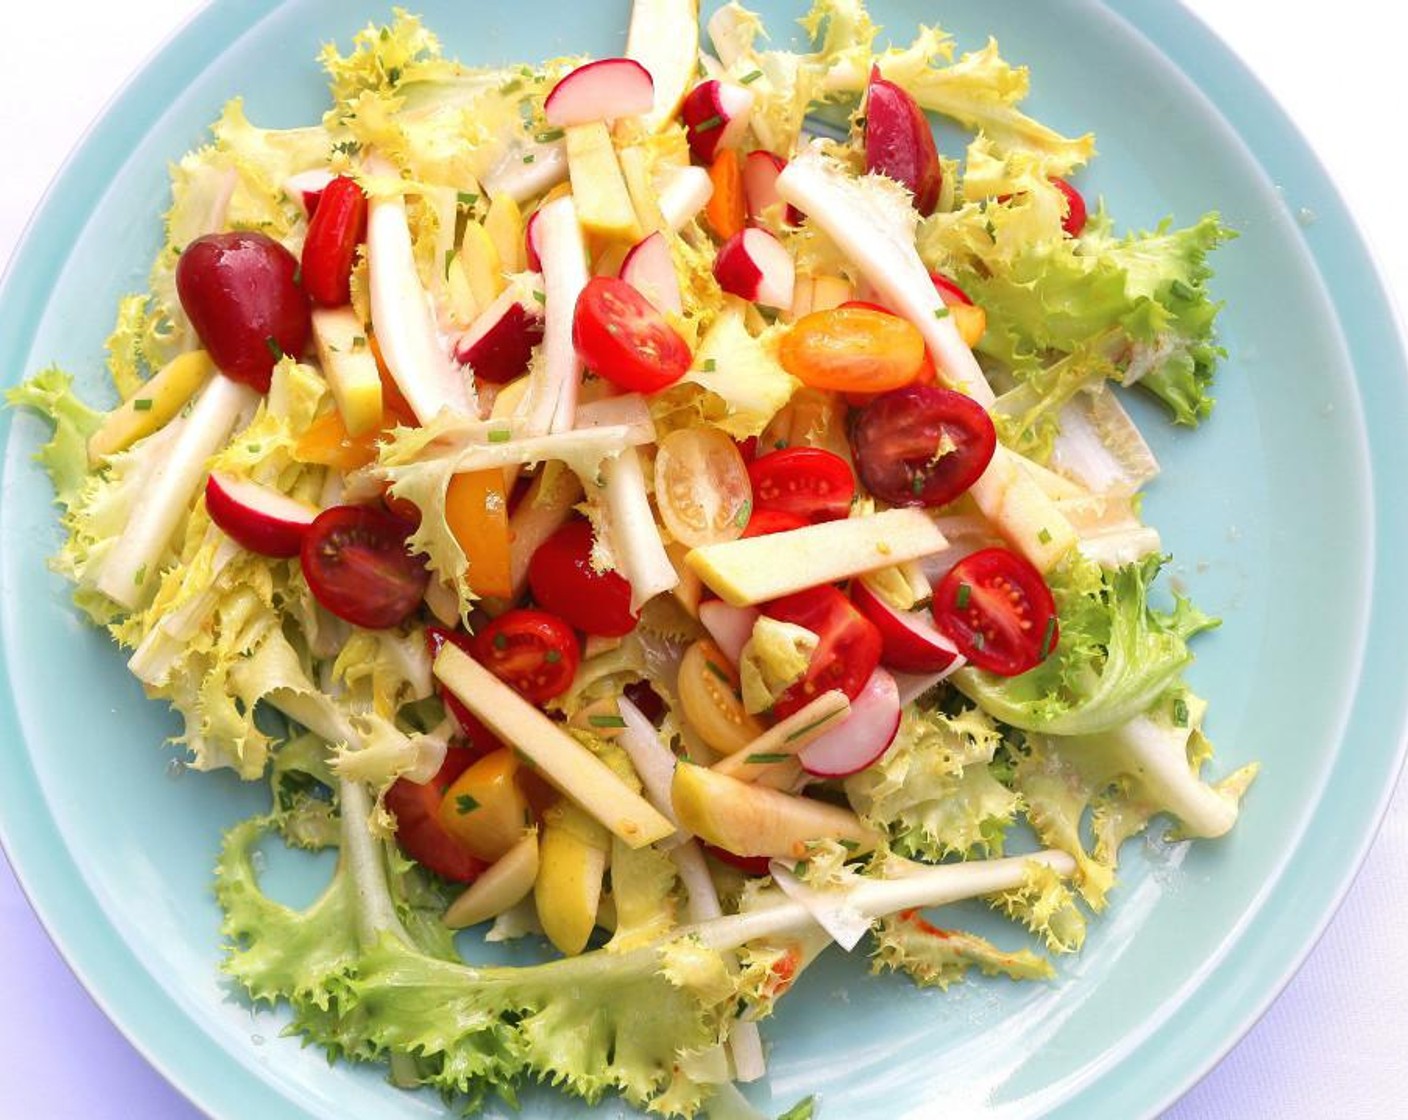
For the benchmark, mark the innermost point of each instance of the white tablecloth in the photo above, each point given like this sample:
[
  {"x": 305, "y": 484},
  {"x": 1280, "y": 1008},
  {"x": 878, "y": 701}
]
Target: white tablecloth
[{"x": 1330, "y": 1046}]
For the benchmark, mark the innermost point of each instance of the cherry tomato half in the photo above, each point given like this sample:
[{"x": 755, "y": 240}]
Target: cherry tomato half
[
  {"x": 418, "y": 827},
  {"x": 533, "y": 652},
  {"x": 481, "y": 740},
  {"x": 357, "y": 566},
  {"x": 922, "y": 445},
  {"x": 330, "y": 249},
  {"x": 848, "y": 652},
  {"x": 853, "y": 349},
  {"x": 239, "y": 291},
  {"x": 806, "y": 481},
  {"x": 998, "y": 611},
  {"x": 766, "y": 521},
  {"x": 564, "y": 582},
  {"x": 701, "y": 486},
  {"x": 621, "y": 337}
]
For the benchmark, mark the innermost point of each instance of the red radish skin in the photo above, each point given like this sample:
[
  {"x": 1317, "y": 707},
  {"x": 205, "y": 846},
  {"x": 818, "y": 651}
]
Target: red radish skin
[
  {"x": 606, "y": 89},
  {"x": 256, "y": 517},
  {"x": 1074, "y": 222},
  {"x": 862, "y": 737},
  {"x": 760, "y": 171},
  {"x": 715, "y": 116},
  {"x": 650, "y": 270},
  {"x": 530, "y": 242},
  {"x": 307, "y": 187},
  {"x": 910, "y": 642},
  {"x": 899, "y": 143},
  {"x": 730, "y": 627},
  {"x": 337, "y": 227},
  {"x": 499, "y": 344},
  {"x": 753, "y": 264},
  {"x": 948, "y": 291}
]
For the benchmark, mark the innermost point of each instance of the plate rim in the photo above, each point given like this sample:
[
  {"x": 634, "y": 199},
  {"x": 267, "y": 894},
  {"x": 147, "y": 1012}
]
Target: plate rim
[{"x": 150, "y": 1019}]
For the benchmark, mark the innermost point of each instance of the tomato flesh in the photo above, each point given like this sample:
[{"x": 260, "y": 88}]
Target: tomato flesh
[
  {"x": 848, "y": 650},
  {"x": 620, "y": 336},
  {"x": 807, "y": 482},
  {"x": 241, "y": 294},
  {"x": 767, "y": 521},
  {"x": 357, "y": 566},
  {"x": 330, "y": 249},
  {"x": 533, "y": 652},
  {"x": 563, "y": 581},
  {"x": 701, "y": 486},
  {"x": 853, "y": 349},
  {"x": 481, "y": 740},
  {"x": 922, "y": 445},
  {"x": 998, "y": 610},
  {"x": 418, "y": 828}
]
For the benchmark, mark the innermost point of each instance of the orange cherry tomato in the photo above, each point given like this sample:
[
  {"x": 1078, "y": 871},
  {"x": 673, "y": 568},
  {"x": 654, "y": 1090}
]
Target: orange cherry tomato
[
  {"x": 485, "y": 808},
  {"x": 853, "y": 350},
  {"x": 476, "y": 509}
]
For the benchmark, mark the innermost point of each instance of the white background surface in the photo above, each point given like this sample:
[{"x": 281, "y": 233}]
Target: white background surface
[{"x": 1332, "y": 1045}]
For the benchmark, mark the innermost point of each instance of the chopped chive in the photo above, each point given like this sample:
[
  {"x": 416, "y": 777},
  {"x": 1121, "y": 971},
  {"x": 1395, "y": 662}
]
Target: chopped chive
[
  {"x": 710, "y": 124},
  {"x": 710, "y": 365},
  {"x": 359, "y": 342},
  {"x": 501, "y": 641},
  {"x": 941, "y": 313},
  {"x": 779, "y": 445},
  {"x": 800, "y": 867},
  {"x": 960, "y": 600},
  {"x": 529, "y": 158},
  {"x": 745, "y": 511},
  {"x": 274, "y": 348},
  {"x": 393, "y": 75},
  {"x": 809, "y": 727},
  {"x": 465, "y": 804},
  {"x": 500, "y": 435},
  {"x": 140, "y": 576},
  {"x": 1180, "y": 712},
  {"x": 550, "y": 135},
  {"x": 749, "y": 79},
  {"x": 467, "y": 198},
  {"x": 718, "y": 672},
  {"x": 1044, "y": 536},
  {"x": 142, "y": 404},
  {"x": 762, "y": 758},
  {"x": 849, "y": 845},
  {"x": 1048, "y": 636},
  {"x": 541, "y": 297},
  {"x": 916, "y": 484},
  {"x": 606, "y": 721},
  {"x": 979, "y": 641},
  {"x": 252, "y": 448},
  {"x": 298, "y": 275}
]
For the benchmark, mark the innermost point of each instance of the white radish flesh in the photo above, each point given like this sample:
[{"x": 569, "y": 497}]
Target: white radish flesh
[
  {"x": 755, "y": 265},
  {"x": 863, "y": 736},
  {"x": 649, "y": 269},
  {"x": 716, "y": 115},
  {"x": 259, "y": 518},
  {"x": 552, "y": 398},
  {"x": 686, "y": 192},
  {"x": 606, "y": 89}
]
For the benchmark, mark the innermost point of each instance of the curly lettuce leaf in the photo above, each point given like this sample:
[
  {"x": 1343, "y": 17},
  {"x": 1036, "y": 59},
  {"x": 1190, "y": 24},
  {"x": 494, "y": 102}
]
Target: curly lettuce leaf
[
  {"x": 935, "y": 957},
  {"x": 65, "y": 456}
]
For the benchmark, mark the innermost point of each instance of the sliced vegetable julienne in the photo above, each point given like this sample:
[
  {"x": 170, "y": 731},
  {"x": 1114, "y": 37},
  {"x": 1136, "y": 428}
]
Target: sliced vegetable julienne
[
  {"x": 781, "y": 742},
  {"x": 756, "y": 569},
  {"x": 633, "y": 538},
  {"x": 603, "y": 203},
  {"x": 525, "y": 171},
  {"x": 129, "y": 570},
  {"x": 155, "y": 402},
  {"x": 402, "y": 319},
  {"x": 684, "y": 194},
  {"x": 663, "y": 36},
  {"x": 557, "y": 757},
  {"x": 350, "y": 368},
  {"x": 1016, "y": 504},
  {"x": 552, "y": 395},
  {"x": 506, "y": 883},
  {"x": 574, "y": 854},
  {"x": 872, "y": 221}
]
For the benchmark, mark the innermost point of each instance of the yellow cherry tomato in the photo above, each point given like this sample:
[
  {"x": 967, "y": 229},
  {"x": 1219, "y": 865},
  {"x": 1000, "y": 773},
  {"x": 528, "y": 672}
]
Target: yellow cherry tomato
[{"x": 853, "y": 350}]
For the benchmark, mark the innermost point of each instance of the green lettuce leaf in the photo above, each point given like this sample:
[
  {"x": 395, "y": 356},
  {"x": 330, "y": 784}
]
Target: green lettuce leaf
[
  {"x": 935, "y": 957},
  {"x": 65, "y": 455}
]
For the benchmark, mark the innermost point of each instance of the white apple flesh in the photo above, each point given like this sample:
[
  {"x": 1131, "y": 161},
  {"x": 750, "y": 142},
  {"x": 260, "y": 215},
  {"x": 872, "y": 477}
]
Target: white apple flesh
[
  {"x": 755, "y": 265},
  {"x": 715, "y": 116},
  {"x": 499, "y": 343},
  {"x": 257, "y": 517},
  {"x": 607, "y": 89},
  {"x": 863, "y": 736},
  {"x": 650, "y": 270}
]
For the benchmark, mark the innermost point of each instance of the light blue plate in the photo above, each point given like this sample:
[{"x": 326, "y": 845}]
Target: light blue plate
[{"x": 1280, "y": 513}]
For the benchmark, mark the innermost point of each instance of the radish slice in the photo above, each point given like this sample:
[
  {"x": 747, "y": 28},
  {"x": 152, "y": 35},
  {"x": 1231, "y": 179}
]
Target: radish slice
[
  {"x": 530, "y": 242},
  {"x": 730, "y": 627},
  {"x": 499, "y": 343},
  {"x": 911, "y": 641},
  {"x": 602, "y": 90},
  {"x": 760, "y": 172},
  {"x": 308, "y": 187},
  {"x": 257, "y": 517},
  {"x": 715, "y": 115},
  {"x": 863, "y": 736},
  {"x": 755, "y": 265},
  {"x": 649, "y": 269}
]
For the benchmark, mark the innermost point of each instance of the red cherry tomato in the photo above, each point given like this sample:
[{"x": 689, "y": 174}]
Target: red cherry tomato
[
  {"x": 766, "y": 521},
  {"x": 806, "y": 481},
  {"x": 621, "y": 337},
  {"x": 922, "y": 445},
  {"x": 848, "y": 652},
  {"x": 481, "y": 740},
  {"x": 418, "y": 828},
  {"x": 356, "y": 564},
  {"x": 533, "y": 652},
  {"x": 1074, "y": 223},
  {"x": 756, "y": 866},
  {"x": 564, "y": 582},
  {"x": 330, "y": 249},
  {"x": 998, "y": 611},
  {"x": 240, "y": 293}
]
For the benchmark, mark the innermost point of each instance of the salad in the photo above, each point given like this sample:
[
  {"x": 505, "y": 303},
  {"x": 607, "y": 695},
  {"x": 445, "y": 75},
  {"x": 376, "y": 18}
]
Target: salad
[{"x": 662, "y": 506}]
